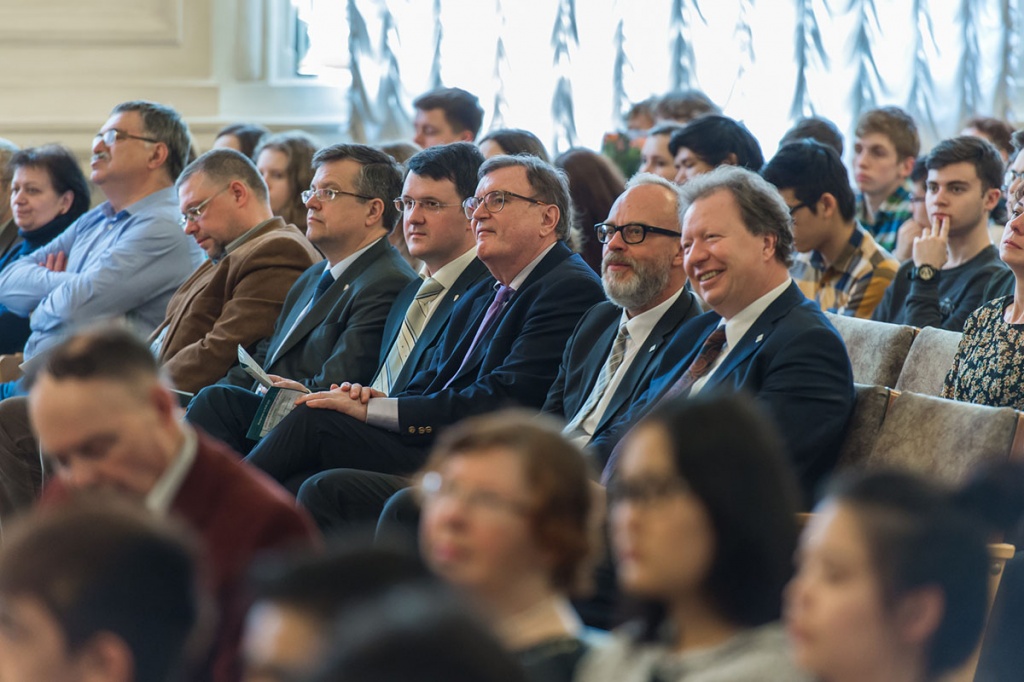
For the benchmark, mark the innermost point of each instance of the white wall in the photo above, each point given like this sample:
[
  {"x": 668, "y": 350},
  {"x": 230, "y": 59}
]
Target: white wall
[{"x": 66, "y": 63}]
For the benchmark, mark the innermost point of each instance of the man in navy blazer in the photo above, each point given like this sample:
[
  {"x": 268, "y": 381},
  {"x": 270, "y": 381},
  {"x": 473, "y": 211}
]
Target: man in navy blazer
[
  {"x": 502, "y": 346},
  {"x": 646, "y": 283},
  {"x": 778, "y": 345},
  {"x": 332, "y": 322},
  {"x": 438, "y": 233}
]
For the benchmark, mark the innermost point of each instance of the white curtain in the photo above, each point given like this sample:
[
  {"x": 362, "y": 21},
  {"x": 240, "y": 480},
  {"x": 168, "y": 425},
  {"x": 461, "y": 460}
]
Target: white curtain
[{"x": 566, "y": 69}]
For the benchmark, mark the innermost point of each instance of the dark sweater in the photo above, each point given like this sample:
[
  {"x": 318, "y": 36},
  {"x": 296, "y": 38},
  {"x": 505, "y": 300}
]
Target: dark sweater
[
  {"x": 14, "y": 329},
  {"x": 946, "y": 300}
]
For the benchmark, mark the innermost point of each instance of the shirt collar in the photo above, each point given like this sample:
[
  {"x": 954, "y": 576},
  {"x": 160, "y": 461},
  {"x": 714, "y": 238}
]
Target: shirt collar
[
  {"x": 742, "y": 321},
  {"x": 243, "y": 238},
  {"x": 339, "y": 269},
  {"x": 162, "y": 495},
  {"x": 518, "y": 280},
  {"x": 640, "y": 326},
  {"x": 157, "y": 197},
  {"x": 446, "y": 275}
]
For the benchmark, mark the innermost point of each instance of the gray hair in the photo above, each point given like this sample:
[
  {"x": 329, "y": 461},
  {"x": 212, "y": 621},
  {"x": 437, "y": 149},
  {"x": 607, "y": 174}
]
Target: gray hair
[
  {"x": 549, "y": 184},
  {"x": 380, "y": 177},
  {"x": 761, "y": 206},
  {"x": 223, "y": 166},
  {"x": 166, "y": 125},
  {"x": 7, "y": 150}
]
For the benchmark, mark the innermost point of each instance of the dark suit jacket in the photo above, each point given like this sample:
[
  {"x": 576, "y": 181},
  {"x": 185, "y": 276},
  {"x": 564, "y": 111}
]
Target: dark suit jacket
[
  {"x": 793, "y": 361},
  {"x": 588, "y": 348},
  {"x": 238, "y": 512},
  {"x": 340, "y": 338},
  {"x": 233, "y": 301},
  {"x": 516, "y": 363},
  {"x": 422, "y": 352}
]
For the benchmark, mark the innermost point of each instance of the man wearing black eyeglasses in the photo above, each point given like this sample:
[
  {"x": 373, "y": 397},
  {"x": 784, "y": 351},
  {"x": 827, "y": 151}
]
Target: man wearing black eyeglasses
[{"x": 127, "y": 256}]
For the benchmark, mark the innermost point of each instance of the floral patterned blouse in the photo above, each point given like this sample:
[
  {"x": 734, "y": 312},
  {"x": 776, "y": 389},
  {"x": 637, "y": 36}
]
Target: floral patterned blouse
[{"x": 988, "y": 367}]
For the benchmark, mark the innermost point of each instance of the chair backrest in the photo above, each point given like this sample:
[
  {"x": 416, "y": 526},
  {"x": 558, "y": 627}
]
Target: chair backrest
[
  {"x": 877, "y": 350},
  {"x": 928, "y": 362},
  {"x": 865, "y": 423},
  {"x": 943, "y": 439}
]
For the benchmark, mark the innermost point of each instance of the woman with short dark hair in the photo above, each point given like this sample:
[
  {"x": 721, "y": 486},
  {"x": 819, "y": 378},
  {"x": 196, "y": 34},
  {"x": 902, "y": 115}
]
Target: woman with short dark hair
[
  {"x": 48, "y": 193},
  {"x": 703, "y": 526},
  {"x": 892, "y": 578}
]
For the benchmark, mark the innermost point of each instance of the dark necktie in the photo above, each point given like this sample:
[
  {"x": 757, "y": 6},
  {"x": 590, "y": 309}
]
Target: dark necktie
[
  {"x": 490, "y": 319},
  {"x": 325, "y": 282}
]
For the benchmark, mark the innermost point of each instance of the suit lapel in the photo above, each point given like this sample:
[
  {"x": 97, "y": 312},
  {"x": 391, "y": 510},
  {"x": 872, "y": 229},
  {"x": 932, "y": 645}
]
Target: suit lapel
[
  {"x": 318, "y": 313},
  {"x": 758, "y": 333}
]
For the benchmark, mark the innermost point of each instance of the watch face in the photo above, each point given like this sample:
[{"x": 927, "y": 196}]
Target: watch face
[{"x": 925, "y": 272}]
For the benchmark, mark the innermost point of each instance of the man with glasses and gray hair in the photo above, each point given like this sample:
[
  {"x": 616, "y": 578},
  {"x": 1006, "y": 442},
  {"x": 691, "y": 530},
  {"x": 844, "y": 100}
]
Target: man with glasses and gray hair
[
  {"x": 502, "y": 346},
  {"x": 125, "y": 257},
  {"x": 332, "y": 324}
]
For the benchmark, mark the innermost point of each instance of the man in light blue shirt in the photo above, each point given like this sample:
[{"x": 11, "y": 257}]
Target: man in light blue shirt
[{"x": 125, "y": 257}]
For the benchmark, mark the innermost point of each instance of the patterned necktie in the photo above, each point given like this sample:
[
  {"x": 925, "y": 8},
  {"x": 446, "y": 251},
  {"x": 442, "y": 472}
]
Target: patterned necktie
[
  {"x": 611, "y": 366},
  {"x": 408, "y": 334},
  {"x": 700, "y": 366},
  {"x": 490, "y": 318}
]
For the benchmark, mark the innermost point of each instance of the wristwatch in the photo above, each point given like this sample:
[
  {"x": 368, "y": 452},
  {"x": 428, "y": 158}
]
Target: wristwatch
[{"x": 925, "y": 273}]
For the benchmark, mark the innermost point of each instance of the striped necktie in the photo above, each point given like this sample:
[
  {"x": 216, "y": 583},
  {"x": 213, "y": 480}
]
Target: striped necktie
[
  {"x": 611, "y": 366},
  {"x": 412, "y": 326}
]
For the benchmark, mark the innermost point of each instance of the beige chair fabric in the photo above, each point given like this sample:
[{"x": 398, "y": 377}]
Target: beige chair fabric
[
  {"x": 928, "y": 362},
  {"x": 877, "y": 349},
  {"x": 942, "y": 439},
  {"x": 864, "y": 425}
]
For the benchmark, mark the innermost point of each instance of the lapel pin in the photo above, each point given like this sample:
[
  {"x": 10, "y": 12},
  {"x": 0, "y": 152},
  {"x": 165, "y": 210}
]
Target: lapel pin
[
  {"x": 758, "y": 339},
  {"x": 346, "y": 289},
  {"x": 651, "y": 349},
  {"x": 455, "y": 298}
]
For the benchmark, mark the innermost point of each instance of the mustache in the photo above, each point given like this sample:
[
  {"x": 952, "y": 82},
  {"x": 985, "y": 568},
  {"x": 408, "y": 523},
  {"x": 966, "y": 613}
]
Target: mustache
[
  {"x": 98, "y": 157},
  {"x": 618, "y": 259}
]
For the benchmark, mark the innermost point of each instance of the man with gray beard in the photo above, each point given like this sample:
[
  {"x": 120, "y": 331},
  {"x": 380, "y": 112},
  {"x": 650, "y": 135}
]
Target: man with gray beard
[{"x": 609, "y": 359}]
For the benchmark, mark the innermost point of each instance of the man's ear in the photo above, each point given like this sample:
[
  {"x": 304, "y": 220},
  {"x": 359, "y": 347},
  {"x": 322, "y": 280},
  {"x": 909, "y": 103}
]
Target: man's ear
[
  {"x": 551, "y": 215},
  {"x": 991, "y": 198},
  {"x": 106, "y": 658},
  {"x": 906, "y": 167},
  {"x": 466, "y": 136},
  {"x": 919, "y": 614},
  {"x": 158, "y": 157},
  {"x": 828, "y": 205},
  {"x": 770, "y": 241},
  {"x": 375, "y": 211}
]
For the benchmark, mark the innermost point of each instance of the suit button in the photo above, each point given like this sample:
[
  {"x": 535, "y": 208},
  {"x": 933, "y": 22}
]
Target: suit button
[
  {"x": 412, "y": 429},
  {"x": 422, "y": 430},
  {"x": 430, "y": 430}
]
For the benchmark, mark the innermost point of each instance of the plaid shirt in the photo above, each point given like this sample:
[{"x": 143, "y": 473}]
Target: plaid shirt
[
  {"x": 893, "y": 212},
  {"x": 854, "y": 284}
]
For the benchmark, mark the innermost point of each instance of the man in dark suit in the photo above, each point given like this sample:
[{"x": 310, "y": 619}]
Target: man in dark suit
[
  {"x": 438, "y": 233},
  {"x": 108, "y": 423},
  {"x": 332, "y": 323},
  {"x": 762, "y": 336},
  {"x": 502, "y": 346},
  {"x": 600, "y": 376}
]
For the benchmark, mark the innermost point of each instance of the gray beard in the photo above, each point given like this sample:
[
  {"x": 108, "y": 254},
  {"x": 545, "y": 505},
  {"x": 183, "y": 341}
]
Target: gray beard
[{"x": 637, "y": 291}]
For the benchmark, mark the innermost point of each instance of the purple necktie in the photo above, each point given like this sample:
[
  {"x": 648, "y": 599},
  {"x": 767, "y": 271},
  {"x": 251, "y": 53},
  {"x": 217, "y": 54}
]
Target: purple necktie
[{"x": 490, "y": 319}]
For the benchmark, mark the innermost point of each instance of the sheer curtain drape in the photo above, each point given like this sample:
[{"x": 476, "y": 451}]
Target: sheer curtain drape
[{"x": 567, "y": 69}]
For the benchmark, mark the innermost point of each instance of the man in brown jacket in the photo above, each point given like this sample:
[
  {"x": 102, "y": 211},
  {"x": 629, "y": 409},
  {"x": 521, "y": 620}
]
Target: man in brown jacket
[{"x": 235, "y": 296}]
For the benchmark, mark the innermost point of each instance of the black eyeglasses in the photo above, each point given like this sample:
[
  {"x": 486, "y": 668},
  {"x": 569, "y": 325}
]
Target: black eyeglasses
[
  {"x": 111, "y": 136},
  {"x": 495, "y": 201},
  {"x": 632, "y": 233},
  {"x": 794, "y": 209}
]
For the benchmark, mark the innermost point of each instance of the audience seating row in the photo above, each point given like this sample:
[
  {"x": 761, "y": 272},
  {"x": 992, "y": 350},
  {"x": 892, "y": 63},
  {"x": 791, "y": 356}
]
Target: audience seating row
[{"x": 899, "y": 356}]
